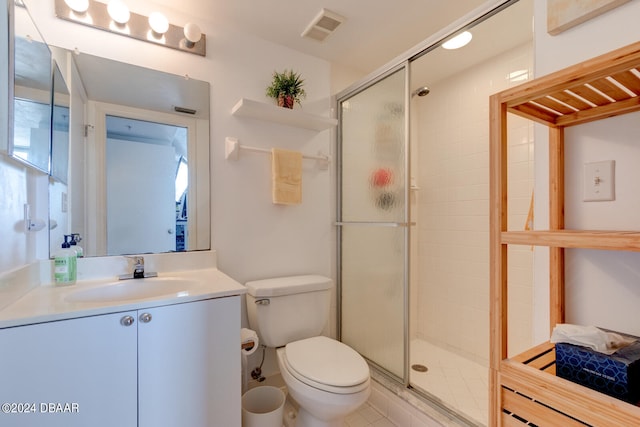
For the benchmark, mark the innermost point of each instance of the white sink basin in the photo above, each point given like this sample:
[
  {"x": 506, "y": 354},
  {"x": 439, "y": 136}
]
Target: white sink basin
[{"x": 132, "y": 289}]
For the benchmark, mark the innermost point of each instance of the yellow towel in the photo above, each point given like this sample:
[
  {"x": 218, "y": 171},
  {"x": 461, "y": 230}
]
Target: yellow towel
[{"x": 286, "y": 176}]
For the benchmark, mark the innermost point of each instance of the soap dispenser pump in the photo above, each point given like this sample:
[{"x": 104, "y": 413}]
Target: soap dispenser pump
[{"x": 65, "y": 264}]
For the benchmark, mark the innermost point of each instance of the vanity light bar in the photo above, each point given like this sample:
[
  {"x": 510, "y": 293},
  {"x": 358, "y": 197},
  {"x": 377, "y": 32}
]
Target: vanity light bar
[{"x": 137, "y": 27}]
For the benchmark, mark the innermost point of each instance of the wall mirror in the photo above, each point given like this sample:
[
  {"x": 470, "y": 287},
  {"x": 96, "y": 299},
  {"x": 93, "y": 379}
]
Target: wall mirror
[
  {"x": 30, "y": 83},
  {"x": 138, "y": 161}
]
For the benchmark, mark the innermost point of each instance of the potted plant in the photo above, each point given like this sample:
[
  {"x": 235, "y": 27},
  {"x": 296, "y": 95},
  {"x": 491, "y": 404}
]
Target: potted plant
[{"x": 286, "y": 88}]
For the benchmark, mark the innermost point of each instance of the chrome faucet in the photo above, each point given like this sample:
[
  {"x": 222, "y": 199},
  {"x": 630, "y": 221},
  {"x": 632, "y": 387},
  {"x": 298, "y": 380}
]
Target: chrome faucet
[{"x": 138, "y": 270}]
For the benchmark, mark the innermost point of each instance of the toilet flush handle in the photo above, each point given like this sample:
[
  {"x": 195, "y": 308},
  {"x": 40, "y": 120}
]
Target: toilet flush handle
[{"x": 263, "y": 301}]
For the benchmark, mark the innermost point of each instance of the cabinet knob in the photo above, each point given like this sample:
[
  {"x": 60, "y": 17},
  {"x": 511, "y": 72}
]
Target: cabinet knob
[
  {"x": 127, "y": 321},
  {"x": 145, "y": 317}
]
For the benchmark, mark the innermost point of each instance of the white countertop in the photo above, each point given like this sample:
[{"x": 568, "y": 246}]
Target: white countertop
[{"x": 49, "y": 302}]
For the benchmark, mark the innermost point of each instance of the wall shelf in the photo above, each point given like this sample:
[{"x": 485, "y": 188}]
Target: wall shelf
[{"x": 290, "y": 117}]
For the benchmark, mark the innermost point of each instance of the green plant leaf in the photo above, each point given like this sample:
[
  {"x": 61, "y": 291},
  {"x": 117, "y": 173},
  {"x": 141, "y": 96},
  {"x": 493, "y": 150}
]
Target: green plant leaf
[{"x": 287, "y": 82}]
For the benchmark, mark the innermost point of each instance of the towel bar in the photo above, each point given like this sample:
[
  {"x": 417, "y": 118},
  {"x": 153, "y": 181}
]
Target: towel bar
[{"x": 233, "y": 147}]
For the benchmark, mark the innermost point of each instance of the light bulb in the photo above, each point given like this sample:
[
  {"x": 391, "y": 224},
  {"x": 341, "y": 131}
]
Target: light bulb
[
  {"x": 458, "y": 41},
  {"x": 192, "y": 33},
  {"x": 158, "y": 23},
  {"x": 118, "y": 11},
  {"x": 78, "y": 6}
]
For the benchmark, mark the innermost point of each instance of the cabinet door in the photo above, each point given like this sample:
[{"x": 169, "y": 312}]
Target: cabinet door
[
  {"x": 79, "y": 372},
  {"x": 189, "y": 365}
]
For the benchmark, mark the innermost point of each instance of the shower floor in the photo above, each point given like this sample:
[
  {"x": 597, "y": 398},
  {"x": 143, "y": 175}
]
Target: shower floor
[{"x": 461, "y": 384}]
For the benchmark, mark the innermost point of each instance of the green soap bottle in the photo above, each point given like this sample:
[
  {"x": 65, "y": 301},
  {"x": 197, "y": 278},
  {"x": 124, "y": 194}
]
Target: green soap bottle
[{"x": 65, "y": 264}]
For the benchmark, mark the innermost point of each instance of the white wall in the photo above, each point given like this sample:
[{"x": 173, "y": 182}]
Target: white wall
[
  {"x": 601, "y": 286},
  {"x": 253, "y": 237},
  {"x": 18, "y": 186}
]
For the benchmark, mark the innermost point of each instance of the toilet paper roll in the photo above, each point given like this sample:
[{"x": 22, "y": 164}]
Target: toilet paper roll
[{"x": 248, "y": 336}]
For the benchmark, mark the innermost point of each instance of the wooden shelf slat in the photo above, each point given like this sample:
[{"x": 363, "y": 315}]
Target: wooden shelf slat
[
  {"x": 534, "y": 352},
  {"x": 610, "y": 89},
  {"x": 628, "y": 80},
  {"x": 604, "y": 240},
  {"x": 574, "y": 400},
  {"x": 536, "y": 413},
  {"x": 601, "y": 112}
]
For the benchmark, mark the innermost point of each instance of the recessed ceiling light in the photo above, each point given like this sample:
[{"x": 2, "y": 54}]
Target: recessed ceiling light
[{"x": 458, "y": 41}]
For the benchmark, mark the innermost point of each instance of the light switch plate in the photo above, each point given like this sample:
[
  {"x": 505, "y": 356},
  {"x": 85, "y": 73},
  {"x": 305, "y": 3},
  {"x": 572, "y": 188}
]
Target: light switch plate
[{"x": 599, "y": 181}]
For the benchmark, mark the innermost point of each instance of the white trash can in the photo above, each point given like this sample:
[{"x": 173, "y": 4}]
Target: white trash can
[{"x": 263, "y": 406}]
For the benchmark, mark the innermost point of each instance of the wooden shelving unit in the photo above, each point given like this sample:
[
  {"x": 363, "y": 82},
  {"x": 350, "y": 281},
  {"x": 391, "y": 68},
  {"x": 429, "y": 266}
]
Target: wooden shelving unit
[
  {"x": 290, "y": 117},
  {"x": 524, "y": 389}
]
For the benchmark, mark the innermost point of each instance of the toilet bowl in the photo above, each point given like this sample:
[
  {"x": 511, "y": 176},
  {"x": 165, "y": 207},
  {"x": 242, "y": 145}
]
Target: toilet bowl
[{"x": 327, "y": 378}]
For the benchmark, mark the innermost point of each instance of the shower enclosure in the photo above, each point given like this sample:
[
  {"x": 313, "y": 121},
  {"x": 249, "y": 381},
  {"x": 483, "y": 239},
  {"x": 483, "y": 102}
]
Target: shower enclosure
[{"x": 413, "y": 175}]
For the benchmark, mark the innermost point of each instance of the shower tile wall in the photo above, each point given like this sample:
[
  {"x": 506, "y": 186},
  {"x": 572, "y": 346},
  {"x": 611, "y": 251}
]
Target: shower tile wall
[{"x": 451, "y": 257}]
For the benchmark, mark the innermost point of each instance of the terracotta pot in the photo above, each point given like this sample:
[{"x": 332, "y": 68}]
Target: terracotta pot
[{"x": 286, "y": 101}]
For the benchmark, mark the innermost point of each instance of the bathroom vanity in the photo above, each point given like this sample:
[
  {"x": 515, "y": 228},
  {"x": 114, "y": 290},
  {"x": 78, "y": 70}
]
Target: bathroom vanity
[{"x": 107, "y": 360}]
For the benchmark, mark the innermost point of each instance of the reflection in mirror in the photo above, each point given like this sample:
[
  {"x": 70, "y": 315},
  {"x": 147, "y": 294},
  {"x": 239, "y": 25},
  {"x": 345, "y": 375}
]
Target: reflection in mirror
[
  {"x": 129, "y": 188},
  {"x": 142, "y": 163},
  {"x": 60, "y": 128},
  {"x": 30, "y": 141}
]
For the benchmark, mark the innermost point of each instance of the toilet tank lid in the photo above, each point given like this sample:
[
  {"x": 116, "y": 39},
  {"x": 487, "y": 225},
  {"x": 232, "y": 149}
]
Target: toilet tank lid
[{"x": 287, "y": 285}]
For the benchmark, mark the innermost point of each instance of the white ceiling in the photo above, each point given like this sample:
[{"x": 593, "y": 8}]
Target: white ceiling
[
  {"x": 503, "y": 31},
  {"x": 374, "y": 33}
]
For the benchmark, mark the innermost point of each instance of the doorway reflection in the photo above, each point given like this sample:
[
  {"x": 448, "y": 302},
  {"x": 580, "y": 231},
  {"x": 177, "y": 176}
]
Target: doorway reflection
[{"x": 146, "y": 186}]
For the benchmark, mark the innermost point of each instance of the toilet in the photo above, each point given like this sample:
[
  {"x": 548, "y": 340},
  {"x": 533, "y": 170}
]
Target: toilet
[{"x": 328, "y": 379}]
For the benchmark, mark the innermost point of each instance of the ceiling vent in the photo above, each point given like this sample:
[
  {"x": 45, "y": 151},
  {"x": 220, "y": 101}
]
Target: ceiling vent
[{"x": 323, "y": 25}]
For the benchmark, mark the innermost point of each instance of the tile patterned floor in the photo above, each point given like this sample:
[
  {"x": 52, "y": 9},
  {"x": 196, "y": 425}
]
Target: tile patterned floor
[
  {"x": 461, "y": 383},
  {"x": 367, "y": 416}
]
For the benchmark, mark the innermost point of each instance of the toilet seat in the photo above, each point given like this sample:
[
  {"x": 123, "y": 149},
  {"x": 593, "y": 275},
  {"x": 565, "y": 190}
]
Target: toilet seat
[{"x": 327, "y": 364}]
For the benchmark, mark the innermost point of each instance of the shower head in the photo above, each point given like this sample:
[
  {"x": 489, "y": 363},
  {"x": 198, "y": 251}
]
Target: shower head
[{"x": 421, "y": 91}]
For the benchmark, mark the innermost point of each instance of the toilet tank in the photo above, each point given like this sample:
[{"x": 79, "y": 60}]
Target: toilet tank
[{"x": 286, "y": 309}]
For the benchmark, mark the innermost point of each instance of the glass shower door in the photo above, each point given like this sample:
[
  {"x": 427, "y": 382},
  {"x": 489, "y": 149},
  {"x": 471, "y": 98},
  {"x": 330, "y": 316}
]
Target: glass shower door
[{"x": 372, "y": 222}]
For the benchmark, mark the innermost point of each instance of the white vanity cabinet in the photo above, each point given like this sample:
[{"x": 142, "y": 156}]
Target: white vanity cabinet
[
  {"x": 172, "y": 365},
  {"x": 189, "y": 371},
  {"x": 88, "y": 363}
]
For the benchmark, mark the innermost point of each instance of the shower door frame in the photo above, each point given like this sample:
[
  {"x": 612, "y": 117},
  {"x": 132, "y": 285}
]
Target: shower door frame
[{"x": 405, "y": 224}]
